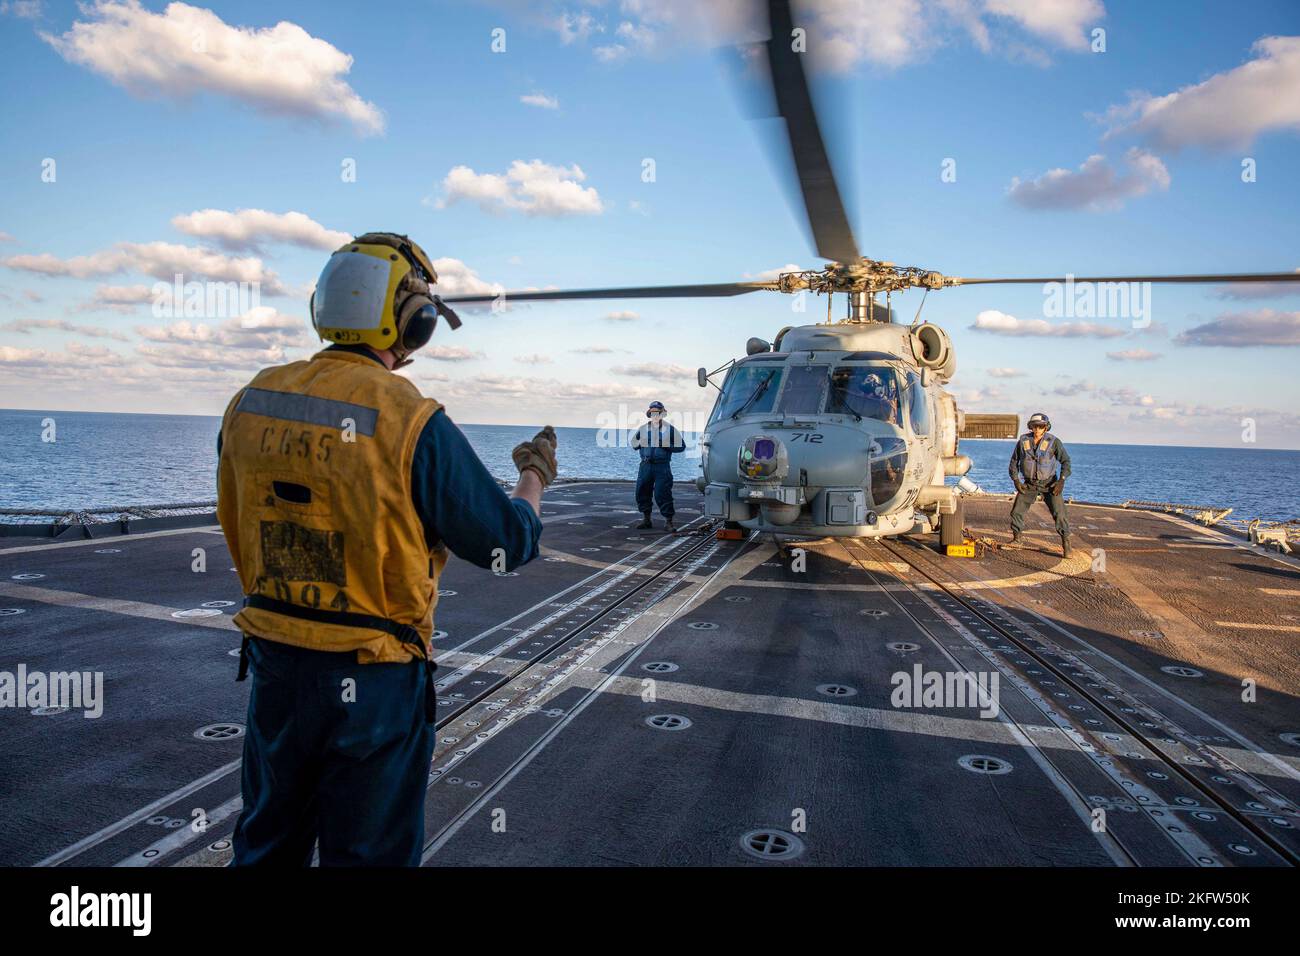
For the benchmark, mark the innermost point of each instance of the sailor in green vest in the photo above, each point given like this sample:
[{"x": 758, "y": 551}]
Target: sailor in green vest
[
  {"x": 342, "y": 491},
  {"x": 1034, "y": 471}
]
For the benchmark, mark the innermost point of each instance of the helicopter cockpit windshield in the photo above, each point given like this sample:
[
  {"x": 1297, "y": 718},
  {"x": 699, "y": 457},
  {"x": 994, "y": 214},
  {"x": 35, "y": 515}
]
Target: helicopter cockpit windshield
[
  {"x": 749, "y": 388},
  {"x": 864, "y": 390}
]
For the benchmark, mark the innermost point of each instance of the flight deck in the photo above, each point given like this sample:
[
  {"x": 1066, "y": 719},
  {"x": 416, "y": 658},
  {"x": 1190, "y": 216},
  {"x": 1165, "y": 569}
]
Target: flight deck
[{"x": 636, "y": 698}]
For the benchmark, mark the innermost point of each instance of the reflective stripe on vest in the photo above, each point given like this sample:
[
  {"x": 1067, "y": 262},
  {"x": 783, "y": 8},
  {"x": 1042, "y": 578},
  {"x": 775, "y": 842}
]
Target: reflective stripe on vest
[
  {"x": 1038, "y": 464},
  {"x": 314, "y": 497}
]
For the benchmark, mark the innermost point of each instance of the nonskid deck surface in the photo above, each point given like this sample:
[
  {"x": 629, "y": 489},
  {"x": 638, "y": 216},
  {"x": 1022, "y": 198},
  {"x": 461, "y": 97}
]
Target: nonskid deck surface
[{"x": 637, "y": 698}]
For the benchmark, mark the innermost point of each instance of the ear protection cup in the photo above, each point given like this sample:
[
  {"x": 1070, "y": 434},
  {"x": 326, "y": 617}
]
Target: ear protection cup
[{"x": 416, "y": 324}]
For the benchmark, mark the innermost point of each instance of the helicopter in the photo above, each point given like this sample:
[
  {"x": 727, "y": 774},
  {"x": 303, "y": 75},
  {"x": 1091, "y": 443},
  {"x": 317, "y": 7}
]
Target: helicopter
[{"x": 842, "y": 428}]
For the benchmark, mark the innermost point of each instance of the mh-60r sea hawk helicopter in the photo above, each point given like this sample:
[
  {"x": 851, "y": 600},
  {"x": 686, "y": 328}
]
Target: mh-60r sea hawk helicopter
[{"x": 842, "y": 428}]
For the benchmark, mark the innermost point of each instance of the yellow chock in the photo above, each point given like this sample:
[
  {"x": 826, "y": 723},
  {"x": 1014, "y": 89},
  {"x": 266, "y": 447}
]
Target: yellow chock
[{"x": 964, "y": 550}]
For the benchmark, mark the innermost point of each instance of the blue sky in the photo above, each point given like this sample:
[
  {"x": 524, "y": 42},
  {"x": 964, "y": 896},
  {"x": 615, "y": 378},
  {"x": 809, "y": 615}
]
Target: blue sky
[{"x": 152, "y": 113}]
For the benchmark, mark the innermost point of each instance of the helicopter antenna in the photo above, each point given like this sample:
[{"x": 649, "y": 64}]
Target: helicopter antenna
[{"x": 919, "y": 308}]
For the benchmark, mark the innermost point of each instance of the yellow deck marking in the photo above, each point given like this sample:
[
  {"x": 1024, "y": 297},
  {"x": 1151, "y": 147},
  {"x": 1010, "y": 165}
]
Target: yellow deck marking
[
  {"x": 91, "y": 602},
  {"x": 1293, "y": 592}
]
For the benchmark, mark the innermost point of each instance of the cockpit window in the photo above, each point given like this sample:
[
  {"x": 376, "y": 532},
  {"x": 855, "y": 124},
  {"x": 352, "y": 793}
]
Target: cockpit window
[
  {"x": 803, "y": 390},
  {"x": 865, "y": 390},
  {"x": 749, "y": 388}
]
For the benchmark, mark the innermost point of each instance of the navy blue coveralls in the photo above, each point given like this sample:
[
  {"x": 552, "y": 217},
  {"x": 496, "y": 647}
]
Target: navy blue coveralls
[
  {"x": 1035, "y": 466},
  {"x": 355, "y": 774},
  {"x": 656, "y": 443}
]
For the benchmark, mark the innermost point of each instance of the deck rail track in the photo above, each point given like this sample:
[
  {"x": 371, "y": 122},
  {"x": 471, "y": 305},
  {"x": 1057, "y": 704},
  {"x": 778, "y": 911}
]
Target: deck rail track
[{"x": 1220, "y": 801}]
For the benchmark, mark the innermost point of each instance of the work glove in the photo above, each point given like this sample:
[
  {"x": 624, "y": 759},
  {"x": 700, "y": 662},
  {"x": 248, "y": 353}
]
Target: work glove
[
  {"x": 538, "y": 455},
  {"x": 1059, "y": 486}
]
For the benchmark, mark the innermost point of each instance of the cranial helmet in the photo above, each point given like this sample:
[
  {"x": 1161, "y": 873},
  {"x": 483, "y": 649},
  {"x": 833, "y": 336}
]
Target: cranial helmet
[
  {"x": 655, "y": 407},
  {"x": 1038, "y": 418},
  {"x": 375, "y": 291}
]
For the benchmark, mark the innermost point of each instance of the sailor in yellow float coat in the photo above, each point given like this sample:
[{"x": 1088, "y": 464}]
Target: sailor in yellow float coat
[{"x": 341, "y": 491}]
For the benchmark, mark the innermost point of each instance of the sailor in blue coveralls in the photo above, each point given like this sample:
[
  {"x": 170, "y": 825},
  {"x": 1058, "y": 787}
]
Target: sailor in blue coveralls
[{"x": 656, "y": 441}]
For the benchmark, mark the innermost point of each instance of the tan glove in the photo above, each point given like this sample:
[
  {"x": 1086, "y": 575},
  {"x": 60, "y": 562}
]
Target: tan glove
[{"x": 538, "y": 455}]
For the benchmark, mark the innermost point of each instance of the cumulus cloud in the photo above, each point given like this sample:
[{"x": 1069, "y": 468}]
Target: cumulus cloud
[
  {"x": 1264, "y": 327},
  {"x": 1096, "y": 185},
  {"x": 253, "y": 340},
  {"x": 246, "y": 230},
  {"x": 25, "y": 327},
  {"x": 1133, "y": 355},
  {"x": 456, "y": 278},
  {"x": 1006, "y": 373},
  {"x": 534, "y": 188},
  {"x": 540, "y": 100},
  {"x": 22, "y": 9},
  {"x": 999, "y": 323},
  {"x": 162, "y": 260},
  {"x": 1229, "y": 110},
  {"x": 184, "y": 50},
  {"x": 771, "y": 275}
]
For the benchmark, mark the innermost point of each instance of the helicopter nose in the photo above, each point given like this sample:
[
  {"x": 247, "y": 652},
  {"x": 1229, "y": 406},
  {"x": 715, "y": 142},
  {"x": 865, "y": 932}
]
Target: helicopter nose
[{"x": 761, "y": 457}]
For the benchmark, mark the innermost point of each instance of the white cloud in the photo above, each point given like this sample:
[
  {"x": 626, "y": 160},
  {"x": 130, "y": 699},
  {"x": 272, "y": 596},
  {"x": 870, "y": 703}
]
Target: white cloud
[
  {"x": 624, "y": 315},
  {"x": 185, "y": 50},
  {"x": 162, "y": 260},
  {"x": 22, "y": 9},
  {"x": 25, "y": 326},
  {"x": 448, "y": 353},
  {"x": 1061, "y": 22},
  {"x": 456, "y": 278},
  {"x": 248, "y": 229},
  {"x": 771, "y": 275},
  {"x": 1005, "y": 373},
  {"x": 1133, "y": 355},
  {"x": 1228, "y": 110},
  {"x": 535, "y": 188},
  {"x": 1264, "y": 327},
  {"x": 250, "y": 341},
  {"x": 1260, "y": 290},
  {"x": 540, "y": 100},
  {"x": 999, "y": 323},
  {"x": 535, "y": 359},
  {"x": 1095, "y": 186},
  {"x": 657, "y": 370}
]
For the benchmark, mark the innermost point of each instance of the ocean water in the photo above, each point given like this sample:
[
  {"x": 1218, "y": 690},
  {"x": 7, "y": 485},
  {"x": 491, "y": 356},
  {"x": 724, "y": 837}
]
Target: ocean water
[{"x": 109, "y": 459}]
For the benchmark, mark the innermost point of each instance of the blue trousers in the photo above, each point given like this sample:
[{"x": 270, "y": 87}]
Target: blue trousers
[
  {"x": 1055, "y": 505},
  {"x": 656, "y": 477},
  {"x": 330, "y": 760}
]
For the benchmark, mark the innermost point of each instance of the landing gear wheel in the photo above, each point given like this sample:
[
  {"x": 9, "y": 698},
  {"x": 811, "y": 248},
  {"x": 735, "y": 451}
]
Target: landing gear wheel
[{"x": 952, "y": 528}]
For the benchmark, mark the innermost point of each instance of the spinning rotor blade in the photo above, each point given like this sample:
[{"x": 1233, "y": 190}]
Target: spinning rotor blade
[
  {"x": 1238, "y": 277},
  {"x": 714, "y": 290},
  {"x": 823, "y": 205}
]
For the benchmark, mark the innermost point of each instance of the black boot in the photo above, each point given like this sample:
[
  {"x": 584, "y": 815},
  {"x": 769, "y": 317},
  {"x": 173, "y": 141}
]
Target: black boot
[
  {"x": 645, "y": 522},
  {"x": 1065, "y": 545},
  {"x": 1015, "y": 537},
  {"x": 669, "y": 526}
]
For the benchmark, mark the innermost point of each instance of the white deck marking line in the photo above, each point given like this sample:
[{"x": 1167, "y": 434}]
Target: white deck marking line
[
  {"x": 113, "y": 829},
  {"x": 1284, "y": 592},
  {"x": 131, "y": 819},
  {"x": 1246, "y": 626},
  {"x": 89, "y": 602},
  {"x": 108, "y": 540},
  {"x": 542, "y": 742},
  {"x": 179, "y": 837}
]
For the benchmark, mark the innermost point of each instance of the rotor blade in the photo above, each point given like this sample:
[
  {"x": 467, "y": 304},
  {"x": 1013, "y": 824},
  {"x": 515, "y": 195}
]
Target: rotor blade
[
  {"x": 832, "y": 235},
  {"x": 713, "y": 290},
  {"x": 1237, "y": 277}
]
